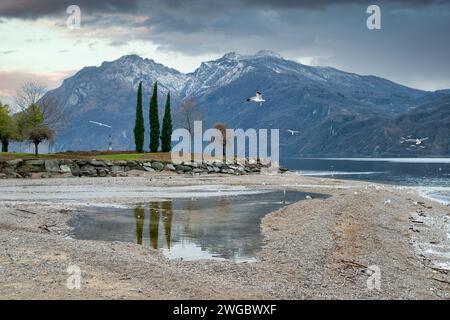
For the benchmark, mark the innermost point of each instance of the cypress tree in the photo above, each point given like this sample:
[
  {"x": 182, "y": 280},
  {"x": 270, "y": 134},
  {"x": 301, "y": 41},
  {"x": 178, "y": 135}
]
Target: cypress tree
[
  {"x": 154, "y": 120},
  {"x": 166, "y": 131},
  {"x": 139, "y": 128}
]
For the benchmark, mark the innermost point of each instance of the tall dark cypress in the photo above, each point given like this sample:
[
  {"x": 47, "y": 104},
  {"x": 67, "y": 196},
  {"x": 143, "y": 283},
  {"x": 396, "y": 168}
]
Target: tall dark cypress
[
  {"x": 139, "y": 129},
  {"x": 154, "y": 120},
  {"x": 166, "y": 131}
]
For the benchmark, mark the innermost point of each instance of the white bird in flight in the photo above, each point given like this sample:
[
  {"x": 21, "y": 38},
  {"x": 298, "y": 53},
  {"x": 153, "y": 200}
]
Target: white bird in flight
[
  {"x": 416, "y": 141},
  {"x": 292, "y": 132},
  {"x": 100, "y": 124},
  {"x": 258, "y": 98}
]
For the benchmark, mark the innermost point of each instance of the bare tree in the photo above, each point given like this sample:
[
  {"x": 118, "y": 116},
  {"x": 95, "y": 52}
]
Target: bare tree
[
  {"x": 40, "y": 115},
  {"x": 189, "y": 112},
  {"x": 33, "y": 93}
]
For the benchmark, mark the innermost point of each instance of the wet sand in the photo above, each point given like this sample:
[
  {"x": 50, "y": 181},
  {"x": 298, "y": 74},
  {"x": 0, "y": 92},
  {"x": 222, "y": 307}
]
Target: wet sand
[{"x": 314, "y": 249}]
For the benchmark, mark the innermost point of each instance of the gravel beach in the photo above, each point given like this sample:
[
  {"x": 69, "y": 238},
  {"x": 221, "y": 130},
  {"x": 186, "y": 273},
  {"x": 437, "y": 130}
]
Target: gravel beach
[{"x": 314, "y": 249}]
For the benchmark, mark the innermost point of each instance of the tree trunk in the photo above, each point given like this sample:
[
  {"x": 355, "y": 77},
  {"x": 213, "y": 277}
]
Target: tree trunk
[
  {"x": 36, "y": 148},
  {"x": 5, "y": 144}
]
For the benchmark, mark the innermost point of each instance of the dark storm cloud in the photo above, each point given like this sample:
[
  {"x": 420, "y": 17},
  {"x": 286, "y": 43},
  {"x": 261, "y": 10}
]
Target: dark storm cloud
[
  {"x": 411, "y": 47},
  {"x": 40, "y": 8}
]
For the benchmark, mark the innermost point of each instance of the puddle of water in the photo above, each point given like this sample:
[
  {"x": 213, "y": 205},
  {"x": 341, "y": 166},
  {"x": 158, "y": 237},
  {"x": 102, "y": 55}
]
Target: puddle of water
[{"x": 223, "y": 227}]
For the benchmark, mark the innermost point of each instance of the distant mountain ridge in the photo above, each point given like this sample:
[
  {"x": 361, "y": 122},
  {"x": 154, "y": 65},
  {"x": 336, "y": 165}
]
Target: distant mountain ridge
[{"x": 337, "y": 113}]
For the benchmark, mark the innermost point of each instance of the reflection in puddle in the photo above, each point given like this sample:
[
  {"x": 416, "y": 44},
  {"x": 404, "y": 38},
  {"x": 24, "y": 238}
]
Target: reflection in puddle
[{"x": 191, "y": 229}]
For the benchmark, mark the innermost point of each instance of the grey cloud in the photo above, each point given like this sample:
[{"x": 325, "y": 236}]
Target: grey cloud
[
  {"x": 38, "y": 8},
  {"x": 8, "y": 52},
  {"x": 118, "y": 43},
  {"x": 411, "y": 45}
]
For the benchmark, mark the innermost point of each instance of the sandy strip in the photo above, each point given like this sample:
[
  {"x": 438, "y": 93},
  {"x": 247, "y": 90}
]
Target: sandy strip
[{"x": 314, "y": 249}]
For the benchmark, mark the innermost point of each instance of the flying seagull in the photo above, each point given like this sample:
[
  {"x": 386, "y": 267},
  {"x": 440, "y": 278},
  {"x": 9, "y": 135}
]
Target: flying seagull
[
  {"x": 258, "y": 98},
  {"x": 416, "y": 141},
  {"x": 100, "y": 124},
  {"x": 292, "y": 132}
]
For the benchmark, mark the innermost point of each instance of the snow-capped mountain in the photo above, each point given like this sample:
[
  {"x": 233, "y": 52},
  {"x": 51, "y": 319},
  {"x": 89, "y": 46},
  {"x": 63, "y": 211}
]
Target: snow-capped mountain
[{"x": 335, "y": 111}]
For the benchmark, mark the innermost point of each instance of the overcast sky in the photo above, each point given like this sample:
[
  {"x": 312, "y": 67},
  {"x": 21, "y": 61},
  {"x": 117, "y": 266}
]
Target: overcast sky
[{"x": 412, "y": 47}]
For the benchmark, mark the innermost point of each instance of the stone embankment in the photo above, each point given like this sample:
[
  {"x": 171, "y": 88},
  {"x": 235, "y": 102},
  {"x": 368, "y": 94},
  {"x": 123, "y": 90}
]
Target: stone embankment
[{"x": 99, "y": 168}]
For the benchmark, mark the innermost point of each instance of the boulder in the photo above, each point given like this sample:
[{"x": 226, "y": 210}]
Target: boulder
[
  {"x": 37, "y": 163},
  {"x": 28, "y": 168},
  {"x": 81, "y": 163},
  {"x": 3, "y": 176},
  {"x": 13, "y": 163},
  {"x": 191, "y": 164},
  {"x": 116, "y": 169},
  {"x": 65, "y": 169},
  {"x": 97, "y": 163},
  {"x": 75, "y": 169},
  {"x": 66, "y": 162},
  {"x": 51, "y": 166},
  {"x": 149, "y": 169},
  {"x": 102, "y": 172},
  {"x": 23, "y": 173},
  {"x": 158, "y": 166},
  {"x": 218, "y": 164},
  {"x": 169, "y": 167},
  {"x": 228, "y": 171},
  {"x": 88, "y": 171},
  {"x": 134, "y": 165},
  {"x": 183, "y": 168}
]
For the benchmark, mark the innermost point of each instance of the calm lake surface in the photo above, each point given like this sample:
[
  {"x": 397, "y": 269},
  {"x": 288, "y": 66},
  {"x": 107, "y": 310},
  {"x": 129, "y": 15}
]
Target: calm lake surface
[
  {"x": 221, "y": 227},
  {"x": 430, "y": 175}
]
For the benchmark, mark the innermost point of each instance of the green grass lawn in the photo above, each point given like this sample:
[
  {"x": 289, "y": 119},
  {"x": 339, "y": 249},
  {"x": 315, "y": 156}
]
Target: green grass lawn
[
  {"x": 106, "y": 155},
  {"x": 18, "y": 155},
  {"x": 121, "y": 156}
]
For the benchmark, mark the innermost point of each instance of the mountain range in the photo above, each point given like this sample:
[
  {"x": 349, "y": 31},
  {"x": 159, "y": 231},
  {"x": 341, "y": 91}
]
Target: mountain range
[{"x": 336, "y": 113}]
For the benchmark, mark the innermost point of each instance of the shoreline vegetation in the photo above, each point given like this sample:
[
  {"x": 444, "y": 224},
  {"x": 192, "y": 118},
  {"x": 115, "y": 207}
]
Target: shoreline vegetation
[{"x": 314, "y": 249}]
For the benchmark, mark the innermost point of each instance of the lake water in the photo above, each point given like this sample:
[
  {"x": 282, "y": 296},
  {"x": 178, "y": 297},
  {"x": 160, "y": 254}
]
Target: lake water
[
  {"x": 430, "y": 175},
  {"x": 215, "y": 227}
]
